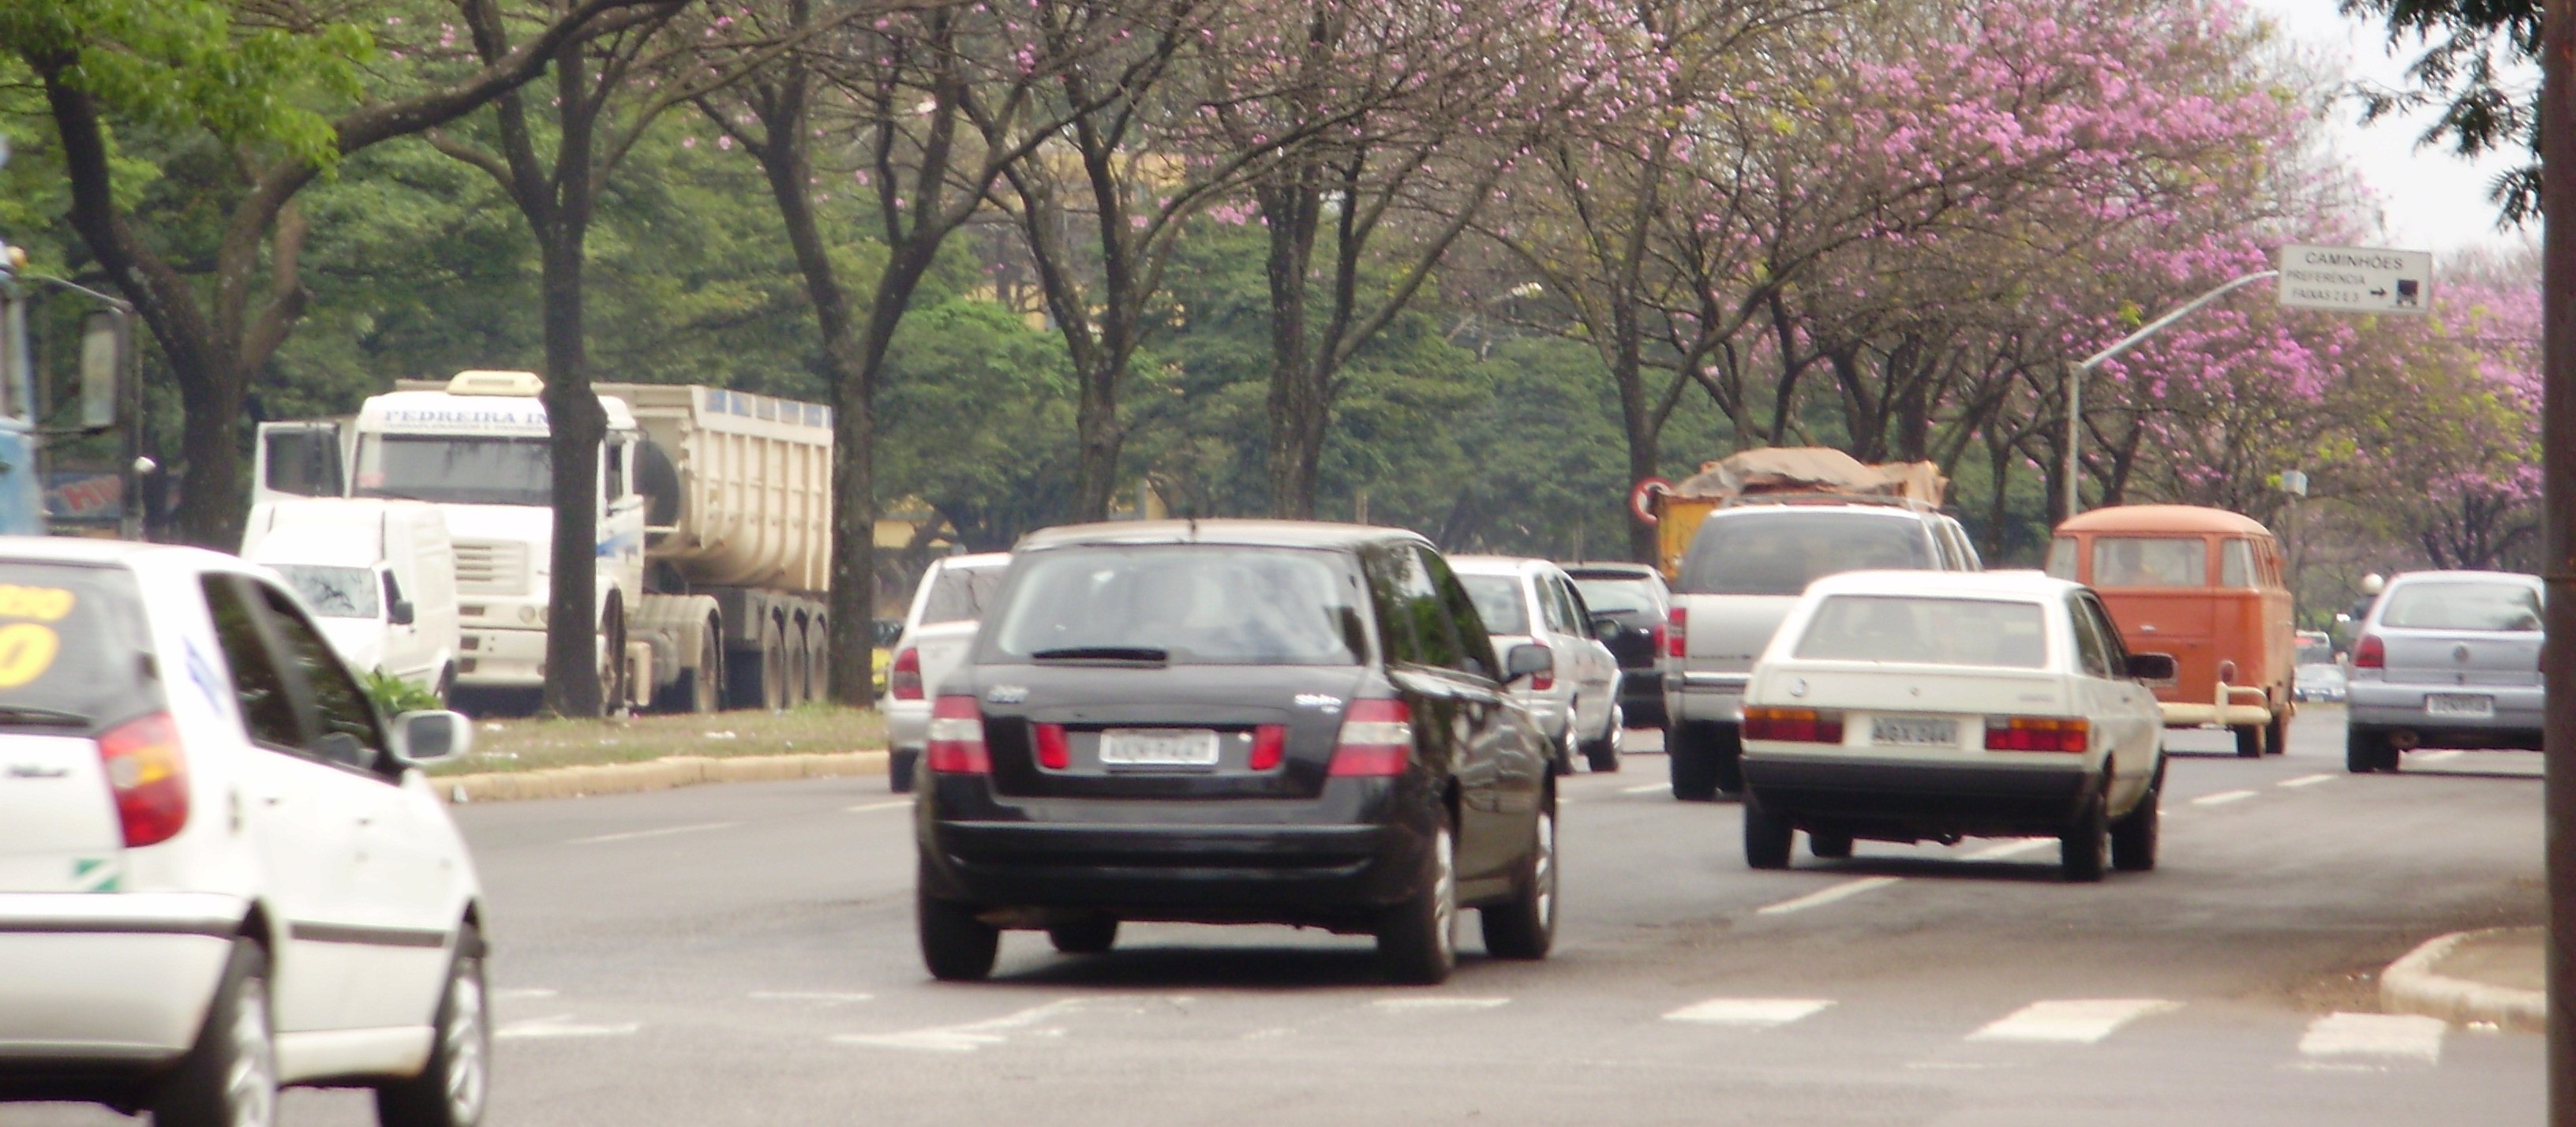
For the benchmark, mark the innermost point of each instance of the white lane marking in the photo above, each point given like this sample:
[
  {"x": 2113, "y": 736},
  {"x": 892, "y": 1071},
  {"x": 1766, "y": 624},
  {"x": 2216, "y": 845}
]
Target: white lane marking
[
  {"x": 2306, "y": 781},
  {"x": 561, "y": 1025},
  {"x": 2437, "y": 756},
  {"x": 1435, "y": 1005},
  {"x": 2222, "y": 798},
  {"x": 2078, "y": 1021},
  {"x": 1649, "y": 788},
  {"x": 1753, "y": 1013},
  {"x": 2378, "y": 1035},
  {"x": 2010, "y": 849},
  {"x": 974, "y": 1035},
  {"x": 663, "y": 832},
  {"x": 1827, "y": 895},
  {"x": 517, "y": 993},
  {"x": 819, "y": 997},
  {"x": 863, "y": 808}
]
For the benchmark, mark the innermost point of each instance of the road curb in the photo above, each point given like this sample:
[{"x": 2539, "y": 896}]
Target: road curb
[
  {"x": 2411, "y": 986},
  {"x": 660, "y": 774}
]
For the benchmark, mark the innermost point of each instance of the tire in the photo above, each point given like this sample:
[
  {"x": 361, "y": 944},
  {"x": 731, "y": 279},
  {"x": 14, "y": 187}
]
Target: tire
[
  {"x": 818, "y": 660},
  {"x": 2084, "y": 848},
  {"x": 1767, "y": 835},
  {"x": 452, "y": 1090},
  {"x": 1417, "y": 940},
  {"x": 955, "y": 945},
  {"x": 229, "y": 1078},
  {"x": 1562, "y": 762},
  {"x": 2366, "y": 750},
  {"x": 901, "y": 766},
  {"x": 1830, "y": 846},
  {"x": 774, "y": 694},
  {"x": 1602, "y": 755},
  {"x": 1524, "y": 927},
  {"x": 446, "y": 685},
  {"x": 798, "y": 689},
  {"x": 1085, "y": 937},
  {"x": 2249, "y": 741},
  {"x": 2134, "y": 836},
  {"x": 2276, "y": 735},
  {"x": 1729, "y": 763},
  {"x": 613, "y": 692},
  {"x": 1692, "y": 750}
]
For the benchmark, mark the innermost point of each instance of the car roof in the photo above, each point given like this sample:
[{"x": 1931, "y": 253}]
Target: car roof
[
  {"x": 92, "y": 550},
  {"x": 2163, "y": 519},
  {"x": 1605, "y": 569},
  {"x": 1757, "y": 506},
  {"x": 2442, "y": 576},
  {"x": 1983, "y": 584},
  {"x": 1256, "y": 533},
  {"x": 1499, "y": 565}
]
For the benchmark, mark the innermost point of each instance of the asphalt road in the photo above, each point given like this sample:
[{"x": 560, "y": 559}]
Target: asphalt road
[{"x": 743, "y": 955}]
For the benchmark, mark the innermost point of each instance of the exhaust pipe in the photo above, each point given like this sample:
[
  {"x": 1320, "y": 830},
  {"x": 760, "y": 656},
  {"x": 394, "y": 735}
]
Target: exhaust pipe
[{"x": 2405, "y": 739}]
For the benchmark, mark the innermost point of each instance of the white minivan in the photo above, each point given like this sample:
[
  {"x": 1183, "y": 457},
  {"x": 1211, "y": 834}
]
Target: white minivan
[{"x": 379, "y": 576}]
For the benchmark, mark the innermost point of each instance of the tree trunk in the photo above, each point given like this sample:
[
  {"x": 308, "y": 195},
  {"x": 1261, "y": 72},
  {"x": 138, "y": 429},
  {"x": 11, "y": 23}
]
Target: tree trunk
[
  {"x": 1291, "y": 205},
  {"x": 573, "y": 414}
]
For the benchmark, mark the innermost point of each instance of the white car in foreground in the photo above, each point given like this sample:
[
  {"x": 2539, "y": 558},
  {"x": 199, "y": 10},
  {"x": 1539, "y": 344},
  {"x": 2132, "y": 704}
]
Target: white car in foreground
[
  {"x": 219, "y": 871},
  {"x": 1913, "y": 705}
]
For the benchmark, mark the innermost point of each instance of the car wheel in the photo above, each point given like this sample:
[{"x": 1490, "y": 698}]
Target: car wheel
[
  {"x": 450, "y": 1091},
  {"x": 2249, "y": 741},
  {"x": 901, "y": 763},
  {"x": 1562, "y": 763},
  {"x": 1729, "y": 762},
  {"x": 1417, "y": 942},
  {"x": 956, "y": 946},
  {"x": 1602, "y": 755},
  {"x": 1706, "y": 759},
  {"x": 1524, "y": 927},
  {"x": 2366, "y": 750},
  {"x": 2082, "y": 850},
  {"x": 229, "y": 1078},
  {"x": 2276, "y": 735},
  {"x": 1830, "y": 846},
  {"x": 1767, "y": 835},
  {"x": 1085, "y": 937},
  {"x": 2134, "y": 836}
]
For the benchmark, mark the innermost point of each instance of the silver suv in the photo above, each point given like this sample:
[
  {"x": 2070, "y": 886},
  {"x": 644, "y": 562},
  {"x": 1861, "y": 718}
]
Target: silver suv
[{"x": 2446, "y": 659}]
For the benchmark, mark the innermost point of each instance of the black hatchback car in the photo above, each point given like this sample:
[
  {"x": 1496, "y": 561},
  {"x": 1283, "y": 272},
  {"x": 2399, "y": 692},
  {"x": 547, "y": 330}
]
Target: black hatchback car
[
  {"x": 1633, "y": 598},
  {"x": 1234, "y": 722}
]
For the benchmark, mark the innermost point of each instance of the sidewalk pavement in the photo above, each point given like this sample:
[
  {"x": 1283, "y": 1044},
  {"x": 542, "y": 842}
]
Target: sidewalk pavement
[{"x": 2492, "y": 976}]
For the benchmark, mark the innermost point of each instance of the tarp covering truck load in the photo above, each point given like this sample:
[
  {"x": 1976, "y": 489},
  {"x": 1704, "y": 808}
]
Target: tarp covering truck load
[
  {"x": 1773, "y": 472},
  {"x": 713, "y": 540}
]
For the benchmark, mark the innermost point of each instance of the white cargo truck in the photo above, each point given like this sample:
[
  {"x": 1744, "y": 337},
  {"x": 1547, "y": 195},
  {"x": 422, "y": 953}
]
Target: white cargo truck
[{"x": 713, "y": 537}]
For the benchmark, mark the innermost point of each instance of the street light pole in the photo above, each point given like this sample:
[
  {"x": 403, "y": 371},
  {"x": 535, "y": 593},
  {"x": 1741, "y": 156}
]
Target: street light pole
[
  {"x": 2557, "y": 136},
  {"x": 2083, "y": 368}
]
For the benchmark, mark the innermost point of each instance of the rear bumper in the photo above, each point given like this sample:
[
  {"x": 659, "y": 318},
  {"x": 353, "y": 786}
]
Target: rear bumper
[
  {"x": 2519, "y": 710},
  {"x": 1909, "y": 799},
  {"x": 1704, "y": 697},
  {"x": 107, "y": 978},
  {"x": 2208, "y": 713},
  {"x": 907, "y": 724}
]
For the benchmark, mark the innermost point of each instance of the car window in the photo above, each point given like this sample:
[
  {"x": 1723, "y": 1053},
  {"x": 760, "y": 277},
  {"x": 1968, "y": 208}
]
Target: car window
[
  {"x": 2061, "y": 557},
  {"x": 1500, "y": 601},
  {"x": 334, "y": 592},
  {"x": 1389, "y": 573},
  {"x": 259, "y": 687},
  {"x": 345, "y": 729},
  {"x": 2236, "y": 564},
  {"x": 1779, "y": 553},
  {"x": 2138, "y": 561},
  {"x": 2462, "y": 605},
  {"x": 1196, "y": 604},
  {"x": 1472, "y": 649},
  {"x": 959, "y": 594},
  {"x": 1624, "y": 596},
  {"x": 2115, "y": 649},
  {"x": 73, "y": 648},
  {"x": 1571, "y": 604},
  {"x": 1927, "y": 630},
  {"x": 2092, "y": 653}
]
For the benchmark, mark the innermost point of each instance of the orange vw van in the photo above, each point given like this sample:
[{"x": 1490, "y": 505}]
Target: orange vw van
[{"x": 2207, "y": 586}]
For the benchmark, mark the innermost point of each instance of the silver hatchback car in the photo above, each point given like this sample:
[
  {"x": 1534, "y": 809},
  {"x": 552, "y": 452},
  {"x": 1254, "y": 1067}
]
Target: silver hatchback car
[{"x": 2446, "y": 659}]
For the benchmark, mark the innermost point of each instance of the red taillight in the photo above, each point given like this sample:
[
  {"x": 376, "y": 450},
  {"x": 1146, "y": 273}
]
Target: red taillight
[
  {"x": 957, "y": 738},
  {"x": 1793, "y": 725},
  {"x": 1376, "y": 740},
  {"x": 2370, "y": 653},
  {"x": 148, "y": 771},
  {"x": 1656, "y": 632},
  {"x": 2038, "y": 733},
  {"x": 1055, "y": 753},
  {"x": 1269, "y": 746},
  {"x": 1544, "y": 679},
  {"x": 904, "y": 679},
  {"x": 1677, "y": 635}
]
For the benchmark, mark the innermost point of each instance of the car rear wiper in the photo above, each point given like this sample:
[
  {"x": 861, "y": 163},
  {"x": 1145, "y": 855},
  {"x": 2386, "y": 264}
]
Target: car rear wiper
[
  {"x": 42, "y": 717},
  {"x": 1147, "y": 654}
]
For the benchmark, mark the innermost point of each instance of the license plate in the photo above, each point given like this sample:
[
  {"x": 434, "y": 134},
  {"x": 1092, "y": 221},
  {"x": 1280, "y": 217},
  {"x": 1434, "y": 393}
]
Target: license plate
[
  {"x": 1913, "y": 730},
  {"x": 2459, "y": 704},
  {"x": 1158, "y": 747}
]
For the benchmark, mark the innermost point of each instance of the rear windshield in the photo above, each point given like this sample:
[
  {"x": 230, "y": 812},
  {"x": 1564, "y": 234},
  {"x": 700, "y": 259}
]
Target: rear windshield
[
  {"x": 960, "y": 594},
  {"x": 1780, "y": 553},
  {"x": 1616, "y": 596},
  {"x": 73, "y": 649},
  {"x": 2136, "y": 561},
  {"x": 2461, "y": 605},
  {"x": 1188, "y": 604},
  {"x": 2010, "y": 635},
  {"x": 333, "y": 592},
  {"x": 1500, "y": 601}
]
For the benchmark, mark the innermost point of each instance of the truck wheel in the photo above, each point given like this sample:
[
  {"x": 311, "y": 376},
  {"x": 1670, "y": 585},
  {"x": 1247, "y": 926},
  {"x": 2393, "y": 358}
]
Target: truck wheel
[
  {"x": 1730, "y": 759},
  {"x": 2249, "y": 741},
  {"x": 818, "y": 660},
  {"x": 229, "y": 1079},
  {"x": 1692, "y": 753},
  {"x": 798, "y": 689},
  {"x": 1767, "y": 836},
  {"x": 773, "y": 668},
  {"x": 2276, "y": 735},
  {"x": 613, "y": 692},
  {"x": 700, "y": 689}
]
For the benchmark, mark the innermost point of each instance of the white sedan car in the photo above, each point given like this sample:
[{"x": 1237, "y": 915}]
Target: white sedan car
[
  {"x": 219, "y": 871},
  {"x": 1911, "y": 706},
  {"x": 1576, "y": 698},
  {"x": 936, "y": 631}
]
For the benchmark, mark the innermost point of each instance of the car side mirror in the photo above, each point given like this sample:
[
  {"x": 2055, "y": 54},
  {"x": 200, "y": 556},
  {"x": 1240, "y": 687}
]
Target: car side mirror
[
  {"x": 401, "y": 613},
  {"x": 1526, "y": 659},
  {"x": 432, "y": 737},
  {"x": 2151, "y": 667}
]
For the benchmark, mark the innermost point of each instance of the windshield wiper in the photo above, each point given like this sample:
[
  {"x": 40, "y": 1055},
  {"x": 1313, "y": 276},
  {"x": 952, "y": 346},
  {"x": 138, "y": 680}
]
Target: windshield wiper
[
  {"x": 1105, "y": 653},
  {"x": 42, "y": 717}
]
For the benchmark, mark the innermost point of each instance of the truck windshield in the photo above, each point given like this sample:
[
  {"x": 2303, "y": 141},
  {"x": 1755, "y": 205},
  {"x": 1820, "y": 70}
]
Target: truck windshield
[
  {"x": 333, "y": 592},
  {"x": 1780, "y": 553},
  {"x": 455, "y": 470}
]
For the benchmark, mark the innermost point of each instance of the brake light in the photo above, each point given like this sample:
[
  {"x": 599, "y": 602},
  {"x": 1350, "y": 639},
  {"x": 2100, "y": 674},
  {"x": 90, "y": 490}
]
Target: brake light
[
  {"x": 957, "y": 738},
  {"x": 1055, "y": 753},
  {"x": 1269, "y": 746},
  {"x": 148, "y": 771},
  {"x": 1376, "y": 739},
  {"x": 1656, "y": 632},
  {"x": 1677, "y": 637},
  {"x": 904, "y": 679},
  {"x": 2370, "y": 653},
  {"x": 2038, "y": 733},
  {"x": 1793, "y": 725},
  {"x": 1544, "y": 679}
]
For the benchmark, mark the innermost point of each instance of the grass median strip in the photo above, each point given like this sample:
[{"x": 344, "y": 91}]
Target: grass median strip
[{"x": 503, "y": 746}]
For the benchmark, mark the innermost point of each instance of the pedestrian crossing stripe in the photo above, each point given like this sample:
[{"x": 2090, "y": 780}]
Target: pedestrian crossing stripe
[
  {"x": 2080, "y": 1021},
  {"x": 1755, "y": 1013},
  {"x": 2410, "y": 1036}
]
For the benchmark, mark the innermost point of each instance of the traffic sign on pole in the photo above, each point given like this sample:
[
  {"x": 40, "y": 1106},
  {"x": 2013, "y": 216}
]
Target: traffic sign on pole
[{"x": 2356, "y": 279}]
